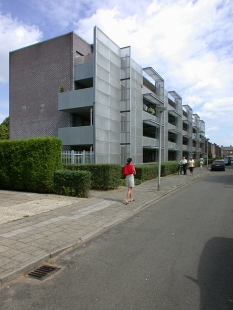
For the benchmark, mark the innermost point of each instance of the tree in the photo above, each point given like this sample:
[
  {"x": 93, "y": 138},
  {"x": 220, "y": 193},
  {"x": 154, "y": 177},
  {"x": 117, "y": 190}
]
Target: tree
[
  {"x": 6, "y": 122},
  {"x": 4, "y": 132}
]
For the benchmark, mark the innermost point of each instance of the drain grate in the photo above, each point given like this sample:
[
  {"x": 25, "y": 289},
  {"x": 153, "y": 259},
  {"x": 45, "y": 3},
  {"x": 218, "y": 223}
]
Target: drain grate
[{"x": 43, "y": 272}]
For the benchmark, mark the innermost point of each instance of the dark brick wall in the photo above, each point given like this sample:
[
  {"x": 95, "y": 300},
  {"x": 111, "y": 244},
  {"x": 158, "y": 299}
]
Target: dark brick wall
[{"x": 36, "y": 74}]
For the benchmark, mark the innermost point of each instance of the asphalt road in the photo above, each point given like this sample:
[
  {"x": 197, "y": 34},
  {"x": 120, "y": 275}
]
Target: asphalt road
[{"x": 176, "y": 254}]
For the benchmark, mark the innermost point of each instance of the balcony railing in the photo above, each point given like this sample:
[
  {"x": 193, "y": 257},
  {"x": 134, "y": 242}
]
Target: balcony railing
[{"x": 73, "y": 157}]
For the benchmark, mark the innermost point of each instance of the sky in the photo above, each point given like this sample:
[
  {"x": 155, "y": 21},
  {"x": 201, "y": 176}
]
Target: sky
[{"x": 188, "y": 42}]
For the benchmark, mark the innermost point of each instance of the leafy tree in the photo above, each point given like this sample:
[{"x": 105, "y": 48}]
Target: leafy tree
[
  {"x": 6, "y": 122},
  {"x": 4, "y": 129},
  {"x": 4, "y": 132}
]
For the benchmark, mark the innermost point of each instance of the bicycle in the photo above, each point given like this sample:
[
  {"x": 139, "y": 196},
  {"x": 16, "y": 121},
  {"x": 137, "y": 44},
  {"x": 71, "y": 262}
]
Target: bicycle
[{"x": 180, "y": 170}]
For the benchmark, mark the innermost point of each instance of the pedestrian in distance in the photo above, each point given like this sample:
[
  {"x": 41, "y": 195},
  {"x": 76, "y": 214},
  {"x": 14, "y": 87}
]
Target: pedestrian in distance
[
  {"x": 191, "y": 165},
  {"x": 183, "y": 162},
  {"x": 129, "y": 172},
  {"x": 201, "y": 162}
]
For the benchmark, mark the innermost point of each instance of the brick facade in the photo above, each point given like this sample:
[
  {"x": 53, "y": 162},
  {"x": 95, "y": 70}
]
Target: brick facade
[{"x": 36, "y": 74}]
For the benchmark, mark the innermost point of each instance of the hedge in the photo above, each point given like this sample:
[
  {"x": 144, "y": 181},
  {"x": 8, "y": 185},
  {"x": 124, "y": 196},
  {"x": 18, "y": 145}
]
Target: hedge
[
  {"x": 103, "y": 176},
  {"x": 169, "y": 167},
  {"x": 149, "y": 171},
  {"x": 72, "y": 183},
  {"x": 29, "y": 164},
  {"x": 146, "y": 172}
]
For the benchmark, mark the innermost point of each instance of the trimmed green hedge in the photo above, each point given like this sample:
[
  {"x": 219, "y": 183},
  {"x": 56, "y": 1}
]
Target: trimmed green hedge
[
  {"x": 29, "y": 164},
  {"x": 149, "y": 171},
  {"x": 169, "y": 167},
  {"x": 103, "y": 176},
  {"x": 72, "y": 183},
  {"x": 146, "y": 172}
]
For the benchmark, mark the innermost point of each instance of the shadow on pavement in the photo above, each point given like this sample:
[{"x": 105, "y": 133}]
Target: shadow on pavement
[{"x": 215, "y": 275}]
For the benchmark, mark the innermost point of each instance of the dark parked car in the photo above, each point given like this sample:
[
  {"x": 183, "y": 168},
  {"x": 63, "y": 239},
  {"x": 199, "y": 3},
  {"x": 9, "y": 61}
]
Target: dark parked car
[
  {"x": 218, "y": 165},
  {"x": 227, "y": 161}
]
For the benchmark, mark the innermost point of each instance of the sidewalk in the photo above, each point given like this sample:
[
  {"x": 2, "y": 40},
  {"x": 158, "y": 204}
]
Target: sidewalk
[{"x": 36, "y": 227}]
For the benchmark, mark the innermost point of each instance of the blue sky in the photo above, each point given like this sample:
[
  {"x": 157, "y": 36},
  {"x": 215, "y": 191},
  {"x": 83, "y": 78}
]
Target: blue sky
[{"x": 188, "y": 42}]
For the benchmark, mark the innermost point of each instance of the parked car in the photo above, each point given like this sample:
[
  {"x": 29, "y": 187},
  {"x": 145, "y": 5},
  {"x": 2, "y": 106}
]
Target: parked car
[
  {"x": 218, "y": 165},
  {"x": 227, "y": 161}
]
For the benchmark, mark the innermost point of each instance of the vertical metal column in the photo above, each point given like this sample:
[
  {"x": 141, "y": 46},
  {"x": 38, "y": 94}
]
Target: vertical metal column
[{"x": 160, "y": 135}]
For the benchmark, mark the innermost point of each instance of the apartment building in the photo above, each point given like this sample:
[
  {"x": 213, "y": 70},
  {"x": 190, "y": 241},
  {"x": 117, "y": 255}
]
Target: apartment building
[
  {"x": 109, "y": 105},
  {"x": 227, "y": 151}
]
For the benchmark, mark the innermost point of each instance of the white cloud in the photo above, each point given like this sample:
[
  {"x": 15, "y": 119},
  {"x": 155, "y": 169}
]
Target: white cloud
[{"x": 13, "y": 35}]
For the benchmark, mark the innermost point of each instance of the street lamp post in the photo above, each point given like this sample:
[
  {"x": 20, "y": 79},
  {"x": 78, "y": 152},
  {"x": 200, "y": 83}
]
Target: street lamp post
[
  {"x": 160, "y": 110},
  {"x": 207, "y": 164}
]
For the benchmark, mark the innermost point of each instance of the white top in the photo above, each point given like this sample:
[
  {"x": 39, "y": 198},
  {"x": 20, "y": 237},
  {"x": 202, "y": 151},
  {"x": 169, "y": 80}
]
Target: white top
[
  {"x": 183, "y": 161},
  {"x": 191, "y": 163}
]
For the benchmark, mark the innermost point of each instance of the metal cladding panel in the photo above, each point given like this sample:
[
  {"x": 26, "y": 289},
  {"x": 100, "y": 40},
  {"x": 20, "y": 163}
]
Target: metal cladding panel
[
  {"x": 102, "y": 147},
  {"x": 102, "y": 122},
  {"x": 103, "y": 49},
  {"x": 76, "y": 135},
  {"x": 139, "y": 132},
  {"x": 114, "y": 137},
  {"x": 139, "y": 141},
  {"x": 102, "y": 135},
  {"x": 114, "y": 158},
  {"x": 75, "y": 99},
  {"x": 103, "y": 86},
  {"x": 103, "y": 158},
  {"x": 115, "y": 115},
  {"x": 102, "y": 97},
  {"x": 102, "y": 110},
  {"x": 136, "y": 112},
  {"x": 115, "y": 59},
  {"x": 115, "y": 93},
  {"x": 102, "y": 73},
  {"x": 107, "y": 96},
  {"x": 115, "y": 126},
  {"x": 114, "y": 148},
  {"x": 84, "y": 71},
  {"x": 102, "y": 61},
  {"x": 139, "y": 158}
]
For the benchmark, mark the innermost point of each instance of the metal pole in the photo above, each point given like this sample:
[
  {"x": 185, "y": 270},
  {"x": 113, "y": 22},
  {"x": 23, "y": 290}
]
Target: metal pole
[
  {"x": 207, "y": 163},
  {"x": 160, "y": 135}
]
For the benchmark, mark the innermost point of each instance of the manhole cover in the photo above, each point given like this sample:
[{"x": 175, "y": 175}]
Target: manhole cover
[{"x": 43, "y": 272}]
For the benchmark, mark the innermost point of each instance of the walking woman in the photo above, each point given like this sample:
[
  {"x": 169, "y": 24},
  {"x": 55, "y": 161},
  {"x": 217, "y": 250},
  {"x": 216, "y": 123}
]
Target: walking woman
[
  {"x": 191, "y": 165},
  {"x": 129, "y": 172}
]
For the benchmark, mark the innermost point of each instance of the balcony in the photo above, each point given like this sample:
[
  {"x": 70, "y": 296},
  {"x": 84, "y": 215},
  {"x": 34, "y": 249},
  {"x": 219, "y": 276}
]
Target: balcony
[
  {"x": 171, "y": 128},
  {"x": 150, "y": 118},
  {"x": 73, "y": 100},
  {"x": 194, "y": 136},
  {"x": 76, "y": 135},
  {"x": 150, "y": 142},
  {"x": 83, "y": 71},
  {"x": 185, "y": 133},
  {"x": 172, "y": 145}
]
